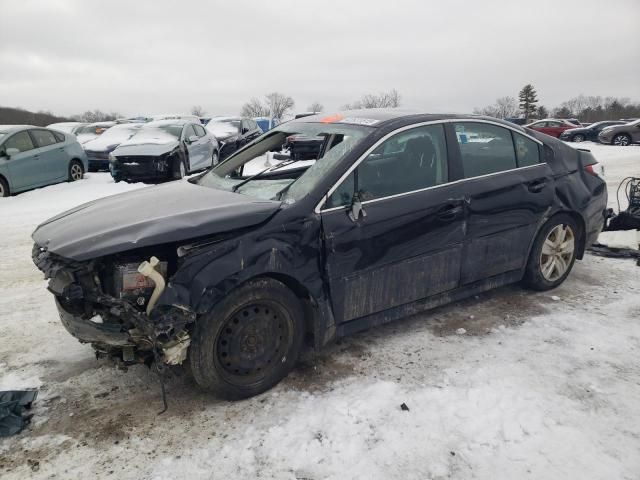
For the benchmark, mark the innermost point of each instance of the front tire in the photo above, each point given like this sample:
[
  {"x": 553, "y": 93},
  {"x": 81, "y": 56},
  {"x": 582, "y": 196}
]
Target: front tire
[
  {"x": 249, "y": 341},
  {"x": 621, "y": 140},
  {"x": 553, "y": 253},
  {"x": 578, "y": 138},
  {"x": 76, "y": 171},
  {"x": 179, "y": 169}
]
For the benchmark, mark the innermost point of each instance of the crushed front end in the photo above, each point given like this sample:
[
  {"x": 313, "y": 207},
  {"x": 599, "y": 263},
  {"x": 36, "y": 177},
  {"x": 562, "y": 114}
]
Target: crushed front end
[{"x": 109, "y": 302}]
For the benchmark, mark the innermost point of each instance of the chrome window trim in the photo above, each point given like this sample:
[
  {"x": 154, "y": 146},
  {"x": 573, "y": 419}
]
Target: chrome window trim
[{"x": 360, "y": 159}]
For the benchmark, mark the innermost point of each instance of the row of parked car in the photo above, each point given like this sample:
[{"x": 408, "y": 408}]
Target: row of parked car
[
  {"x": 614, "y": 132},
  {"x": 153, "y": 148}
]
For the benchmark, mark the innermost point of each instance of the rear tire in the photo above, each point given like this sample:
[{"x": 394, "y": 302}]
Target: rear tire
[
  {"x": 553, "y": 253},
  {"x": 76, "y": 171},
  {"x": 621, "y": 140},
  {"x": 249, "y": 341},
  {"x": 4, "y": 188}
]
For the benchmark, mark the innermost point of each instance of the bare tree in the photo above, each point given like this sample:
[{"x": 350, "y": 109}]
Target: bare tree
[
  {"x": 254, "y": 108},
  {"x": 96, "y": 116},
  {"x": 197, "y": 110},
  {"x": 279, "y": 104},
  {"x": 315, "y": 107},
  {"x": 390, "y": 99},
  {"x": 506, "y": 107}
]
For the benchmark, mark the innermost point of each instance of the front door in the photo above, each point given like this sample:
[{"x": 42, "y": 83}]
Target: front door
[
  {"x": 507, "y": 191},
  {"x": 406, "y": 243},
  {"x": 25, "y": 167}
]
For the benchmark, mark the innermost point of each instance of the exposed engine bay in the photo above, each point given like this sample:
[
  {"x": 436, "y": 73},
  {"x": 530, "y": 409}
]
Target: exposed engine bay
[{"x": 109, "y": 302}]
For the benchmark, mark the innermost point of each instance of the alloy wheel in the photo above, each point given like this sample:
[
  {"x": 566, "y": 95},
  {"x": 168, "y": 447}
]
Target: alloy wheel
[
  {"x": 621, "y": 140},
  {"x": 2, "y": 193},
  {"x": 557, "y": 252},
  {"x": 578, "y": 138},
  {"x": 76, "y": 172},
  {"x": 183, "y": 170}
]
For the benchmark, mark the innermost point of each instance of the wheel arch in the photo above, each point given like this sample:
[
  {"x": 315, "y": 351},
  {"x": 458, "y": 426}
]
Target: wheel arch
[
  {"x": 7, "y": 183},
  {"x": 581, "y": 234}
]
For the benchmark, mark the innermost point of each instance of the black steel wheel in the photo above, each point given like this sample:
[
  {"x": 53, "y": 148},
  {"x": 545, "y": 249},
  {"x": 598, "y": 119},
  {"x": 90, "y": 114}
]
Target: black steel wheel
[{"x": 249, "y": 341}]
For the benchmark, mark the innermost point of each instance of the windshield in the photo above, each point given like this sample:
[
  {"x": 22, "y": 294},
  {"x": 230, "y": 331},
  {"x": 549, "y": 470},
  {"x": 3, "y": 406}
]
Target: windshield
[
  {"x": 95, "y": 129},
  {"x": 223, "y": 129},
  {"x": 298, "y": 175},
  {"x": 119, "y": 133},
  {"x": 157, "y": 134}
]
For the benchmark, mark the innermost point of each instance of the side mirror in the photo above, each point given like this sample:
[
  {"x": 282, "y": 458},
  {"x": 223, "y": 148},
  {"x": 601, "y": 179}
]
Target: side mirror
[
  {"x": 192, "y": 138},
  {"x": 356, "y": 211},
  {"x": 9, "y": 152}
]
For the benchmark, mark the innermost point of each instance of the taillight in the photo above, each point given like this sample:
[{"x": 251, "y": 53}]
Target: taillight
[{"x": 595, "y": 169}]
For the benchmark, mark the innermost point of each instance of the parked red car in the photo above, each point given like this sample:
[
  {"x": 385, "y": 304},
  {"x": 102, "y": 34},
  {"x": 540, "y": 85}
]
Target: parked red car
[{"x": 551, "y": 126}]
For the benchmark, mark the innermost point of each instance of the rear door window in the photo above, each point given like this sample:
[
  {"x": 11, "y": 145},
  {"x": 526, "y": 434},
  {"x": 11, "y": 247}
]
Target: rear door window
[
  {"x": 484, "y": 148},
  {"x": 43, "y": 138},
  {"x": 21, "y": 140}
]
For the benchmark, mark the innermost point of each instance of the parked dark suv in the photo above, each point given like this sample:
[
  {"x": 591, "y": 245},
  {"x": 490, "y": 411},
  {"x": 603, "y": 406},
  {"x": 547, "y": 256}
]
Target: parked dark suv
[{"x": 402, "y": 212}]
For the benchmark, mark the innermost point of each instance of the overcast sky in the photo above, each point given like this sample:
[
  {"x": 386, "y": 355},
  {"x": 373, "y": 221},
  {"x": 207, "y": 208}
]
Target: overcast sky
[{"x": 144, "y": 57}]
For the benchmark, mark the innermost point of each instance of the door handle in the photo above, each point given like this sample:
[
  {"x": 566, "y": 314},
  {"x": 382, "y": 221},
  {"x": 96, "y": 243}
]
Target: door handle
[
  {"x": 536, "y": 186},
  {"x": 449, "y": 212}
]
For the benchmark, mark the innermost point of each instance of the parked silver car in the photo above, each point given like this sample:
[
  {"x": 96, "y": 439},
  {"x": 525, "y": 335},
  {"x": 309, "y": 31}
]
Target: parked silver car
[
  {"x": 622, "y": 135},
  {"x": 32, "y": 157}
]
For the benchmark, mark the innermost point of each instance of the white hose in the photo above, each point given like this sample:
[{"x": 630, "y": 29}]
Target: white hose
[{"x": 148, "y": 269}]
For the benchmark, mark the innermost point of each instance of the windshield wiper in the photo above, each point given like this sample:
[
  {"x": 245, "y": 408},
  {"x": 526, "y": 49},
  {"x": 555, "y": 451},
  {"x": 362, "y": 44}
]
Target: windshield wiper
[{"x": 272, "y": 168}]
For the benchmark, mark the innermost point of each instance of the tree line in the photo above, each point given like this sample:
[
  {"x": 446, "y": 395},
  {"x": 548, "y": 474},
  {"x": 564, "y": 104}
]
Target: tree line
[{"x": 586, "y": 108}]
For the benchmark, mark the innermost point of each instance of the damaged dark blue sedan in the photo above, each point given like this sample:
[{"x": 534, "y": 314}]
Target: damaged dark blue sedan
[{"x": 235, "y": 270}]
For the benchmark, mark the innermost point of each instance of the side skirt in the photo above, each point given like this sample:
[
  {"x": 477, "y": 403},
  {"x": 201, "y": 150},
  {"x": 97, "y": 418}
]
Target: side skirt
[{"x": 420, "y": 306}]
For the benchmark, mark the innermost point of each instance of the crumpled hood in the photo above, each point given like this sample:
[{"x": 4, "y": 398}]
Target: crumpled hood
[
  {"x": 155, "y": 215},
  {"x": 147, "y": 148}
]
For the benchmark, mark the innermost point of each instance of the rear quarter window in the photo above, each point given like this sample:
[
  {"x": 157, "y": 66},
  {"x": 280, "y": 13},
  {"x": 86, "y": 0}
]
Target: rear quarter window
[
  {"x": 527, "y": 151},
  {"x": 59, "y": 137}
]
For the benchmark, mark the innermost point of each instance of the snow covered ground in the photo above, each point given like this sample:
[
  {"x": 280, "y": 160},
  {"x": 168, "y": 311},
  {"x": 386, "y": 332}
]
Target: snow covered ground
[{"x": 511, "y": 384}]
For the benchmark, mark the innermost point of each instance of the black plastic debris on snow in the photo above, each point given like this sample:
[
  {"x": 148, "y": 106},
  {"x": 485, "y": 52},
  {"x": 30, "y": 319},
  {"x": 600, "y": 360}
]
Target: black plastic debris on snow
[
  {"x": 404, "y": 407},
  {"x": 12, "y": 405}
]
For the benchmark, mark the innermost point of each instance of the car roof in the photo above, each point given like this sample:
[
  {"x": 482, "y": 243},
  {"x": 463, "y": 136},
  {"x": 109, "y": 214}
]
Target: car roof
[
  {"x": 170, "y": 121},
  {"x": 14, "y": 128},
  {"x": 377, "y": 117}
]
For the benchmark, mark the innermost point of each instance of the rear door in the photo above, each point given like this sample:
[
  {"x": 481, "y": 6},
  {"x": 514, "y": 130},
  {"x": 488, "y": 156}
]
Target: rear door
[
  {"x": 406, "y": 243},
  {"x": 507, "y": 190}
]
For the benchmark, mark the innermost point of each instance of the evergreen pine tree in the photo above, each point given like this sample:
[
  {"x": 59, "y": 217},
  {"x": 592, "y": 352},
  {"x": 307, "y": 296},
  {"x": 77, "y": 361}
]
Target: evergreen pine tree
[{"x": 528, "y": 99}]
